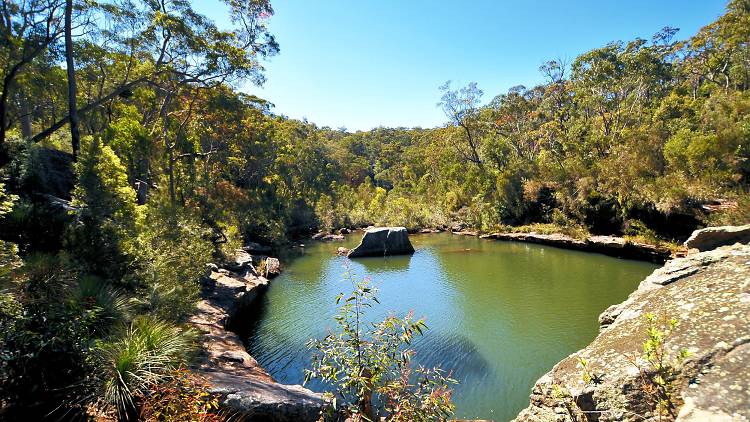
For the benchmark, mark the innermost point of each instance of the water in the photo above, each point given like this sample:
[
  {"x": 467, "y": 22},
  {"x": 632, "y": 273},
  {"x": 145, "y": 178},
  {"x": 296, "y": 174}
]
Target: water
[{"x": 500, "y": 314}]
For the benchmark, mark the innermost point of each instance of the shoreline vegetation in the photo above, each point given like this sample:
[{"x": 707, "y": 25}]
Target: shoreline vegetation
[{"x": 629, "y": 247}]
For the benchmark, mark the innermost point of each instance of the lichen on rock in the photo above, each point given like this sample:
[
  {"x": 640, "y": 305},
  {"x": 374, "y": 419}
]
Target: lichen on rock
[{"x": 708, "y": 293}]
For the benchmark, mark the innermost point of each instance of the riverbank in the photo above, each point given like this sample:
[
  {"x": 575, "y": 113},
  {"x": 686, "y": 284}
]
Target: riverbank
[
  {"x": 707, "y": 296},
  {"x": 616, "y": 246},
  {"x": 246, "y": 390}
]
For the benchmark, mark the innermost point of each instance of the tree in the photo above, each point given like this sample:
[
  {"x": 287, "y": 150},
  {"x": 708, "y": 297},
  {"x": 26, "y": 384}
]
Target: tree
[
  {"x": 460, "y": 106},
  {"x": 75, "y": 135},
  {"x": 27, "y": 30}
]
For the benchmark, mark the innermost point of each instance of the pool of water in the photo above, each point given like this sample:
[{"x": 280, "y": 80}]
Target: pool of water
[{"x": 500, "y": 314}]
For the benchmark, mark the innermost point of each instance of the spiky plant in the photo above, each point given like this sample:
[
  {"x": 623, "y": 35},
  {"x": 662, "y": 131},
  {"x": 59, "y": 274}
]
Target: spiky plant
[
  {"x": 109, "y": 304},
  {"x": 142, "y": 355}
]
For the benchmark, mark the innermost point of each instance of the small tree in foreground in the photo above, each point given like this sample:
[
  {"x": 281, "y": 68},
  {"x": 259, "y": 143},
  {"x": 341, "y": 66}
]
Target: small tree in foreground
[{"x": 369, "y": 365}]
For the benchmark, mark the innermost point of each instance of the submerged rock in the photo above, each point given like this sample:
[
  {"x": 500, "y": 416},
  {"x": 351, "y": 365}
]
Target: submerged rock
[
  {"x": 383, "y": 241},
  {"x": 713, "y": 237},
  {"x": 708, "y": 293},
  {"x": 342, "y": 251}
]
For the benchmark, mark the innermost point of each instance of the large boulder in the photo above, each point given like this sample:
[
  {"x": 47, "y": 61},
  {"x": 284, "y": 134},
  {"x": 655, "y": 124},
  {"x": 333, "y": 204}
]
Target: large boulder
[
  {"x": 708, "y": 294},
  {"x": 381, "y": 241},
  {"x": 713, "y": 237}
]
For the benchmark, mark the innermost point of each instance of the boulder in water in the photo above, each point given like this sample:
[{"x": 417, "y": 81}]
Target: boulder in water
[{"x": 381, "y": 241}]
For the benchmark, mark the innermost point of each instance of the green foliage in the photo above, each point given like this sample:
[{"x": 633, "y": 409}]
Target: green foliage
[
  {"x": 48, "y": 329},
  {"x": 660, "y": 367},
  {"x": 183, "y": 397},
  {"x": 9, "y": 259},
  {"x": 106, "y": 230},
  {"x": 173, "y": 250},
  {"x": 369, "y": 364},
  {"x": 144, "y": 354}
]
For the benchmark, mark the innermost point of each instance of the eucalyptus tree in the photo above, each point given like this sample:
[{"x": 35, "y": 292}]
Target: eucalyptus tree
[
  {"x": 461, "y": 108},
  {"x": 27, "y": 30}
]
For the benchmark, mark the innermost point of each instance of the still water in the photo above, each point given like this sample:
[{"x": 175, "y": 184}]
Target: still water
[{"x": 500, "y": 314}]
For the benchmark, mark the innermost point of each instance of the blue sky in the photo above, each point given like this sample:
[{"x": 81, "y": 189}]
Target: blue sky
[{"x": 363, "y": 64}]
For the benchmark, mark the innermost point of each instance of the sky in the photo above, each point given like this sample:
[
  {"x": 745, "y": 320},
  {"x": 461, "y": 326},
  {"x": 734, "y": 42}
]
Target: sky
[{"x": 363, "y": 64}]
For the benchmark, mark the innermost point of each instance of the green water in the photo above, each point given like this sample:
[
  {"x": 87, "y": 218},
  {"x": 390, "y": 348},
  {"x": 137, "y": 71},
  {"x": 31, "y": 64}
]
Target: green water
[{"x": 500, "y": 314}]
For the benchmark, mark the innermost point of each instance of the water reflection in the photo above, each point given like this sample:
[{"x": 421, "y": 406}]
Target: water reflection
[{"x": 500, "y": 314}]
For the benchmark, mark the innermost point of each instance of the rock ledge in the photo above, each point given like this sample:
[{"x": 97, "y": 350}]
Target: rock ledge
[
  {"x": 247, "y": 390},
  {"x": 708, "y": 293}
]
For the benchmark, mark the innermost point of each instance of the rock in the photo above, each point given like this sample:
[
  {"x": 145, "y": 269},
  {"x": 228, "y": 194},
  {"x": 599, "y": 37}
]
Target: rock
[
  {"x": 59, "y": 204},
  {"x": 608, "y": 245},
  {"x": 318, "y": 235},
  {"x": 608, "y": 241},
  {"x": 273, "y": 267},
  {"x": 242, "y": 263},
  {"x": 332, "y": 237},
  {"x": 344, "y": 230},
  {"x": 708, "y": 293},
  {"x": 210, "y": 268},
  {"x": 257, "y": 248},
  {"x": 246, "y": 390},
  {"x": 383, "y": 241},
  {"x": 429, "y": 231},
  {"x": 713, "y": 237},
  {"x": 141, "y": 192},
  {"x": 342, "y": 251}
]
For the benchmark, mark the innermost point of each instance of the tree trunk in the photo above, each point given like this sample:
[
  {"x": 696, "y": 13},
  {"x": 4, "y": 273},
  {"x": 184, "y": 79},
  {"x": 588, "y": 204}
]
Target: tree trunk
[
  {"x": 170, "y": 168},
  {"x": 4, "y": 155},
  {"x": 26, "y": 130},
  {"x": 75, "y": 136}
]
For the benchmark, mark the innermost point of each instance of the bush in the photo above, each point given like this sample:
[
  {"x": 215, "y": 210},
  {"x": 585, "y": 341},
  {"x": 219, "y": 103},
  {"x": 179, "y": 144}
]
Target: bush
[
  {"x": 144, "y": 354},
  {"x": 371, "y": 371},
  {"x": 108, "y": 218},
  {"x": 183, "y": 397},
  {"x": 46, "y": 338},
  {"x": 174, "y": 248}
]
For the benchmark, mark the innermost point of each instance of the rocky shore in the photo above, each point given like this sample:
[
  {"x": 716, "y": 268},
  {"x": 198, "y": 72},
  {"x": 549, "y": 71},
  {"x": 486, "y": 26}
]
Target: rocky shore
[
  {"x": 607, "y": 245},
  {"x": 616, "y": 246},
  {"x": 247, "y": 391},
  {"x": 708, "y": 295}
]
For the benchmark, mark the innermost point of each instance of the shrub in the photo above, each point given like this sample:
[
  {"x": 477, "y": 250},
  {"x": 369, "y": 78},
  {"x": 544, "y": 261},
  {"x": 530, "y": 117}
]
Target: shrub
[
  {"x": 182, "y": 397},
  {"x": 371, "y": 371},
  {"x": 658, "y": 368},
  {"x": 46, "y": 337},
  {"x": 174, "y": 248},
  {"x": 142, "y": 355},
  {"x": 104, "y": 236}
]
